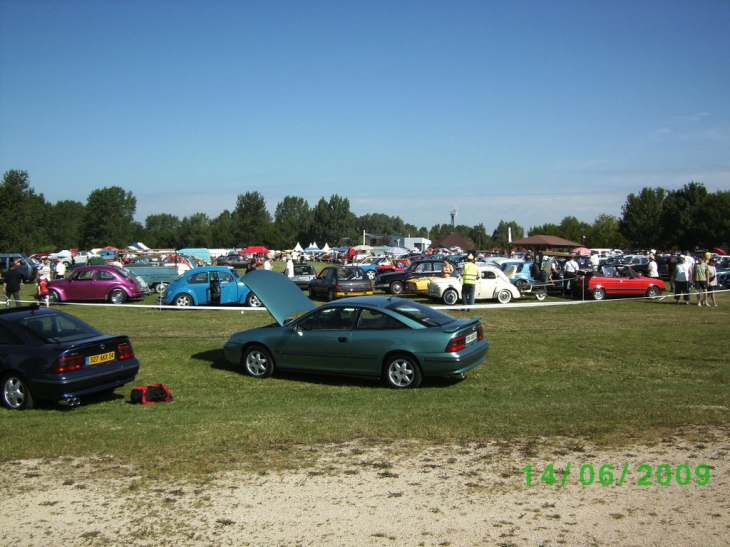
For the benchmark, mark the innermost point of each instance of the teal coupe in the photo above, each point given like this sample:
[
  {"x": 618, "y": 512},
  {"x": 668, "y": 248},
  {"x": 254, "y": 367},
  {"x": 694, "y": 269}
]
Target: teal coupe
[{"x": 376, "y": 337}]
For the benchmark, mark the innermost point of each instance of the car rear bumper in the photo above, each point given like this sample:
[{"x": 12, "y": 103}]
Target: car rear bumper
[
  {"x": 342, "y": 294},
  {"x": 52, "y": 387},
  {"x": 456, "y": 363}
]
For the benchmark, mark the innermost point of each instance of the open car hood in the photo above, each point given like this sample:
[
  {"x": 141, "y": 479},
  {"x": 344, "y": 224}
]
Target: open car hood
[{"x": 281, "y": 296}]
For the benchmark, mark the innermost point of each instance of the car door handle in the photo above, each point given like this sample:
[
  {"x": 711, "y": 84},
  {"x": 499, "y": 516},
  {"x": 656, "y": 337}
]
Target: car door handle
[{"x": 342, "y": 339}]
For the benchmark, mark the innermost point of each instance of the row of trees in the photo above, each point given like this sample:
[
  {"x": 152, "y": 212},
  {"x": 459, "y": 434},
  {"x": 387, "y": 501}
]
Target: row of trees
[{"x": 654, "y": 219}]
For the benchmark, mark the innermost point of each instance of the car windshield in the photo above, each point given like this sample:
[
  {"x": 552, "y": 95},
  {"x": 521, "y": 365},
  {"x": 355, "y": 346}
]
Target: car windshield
[
  {"x": 424, "y": 315},
  {"x": 53, "y": 328},
  {"x": 346, "y": 274}
]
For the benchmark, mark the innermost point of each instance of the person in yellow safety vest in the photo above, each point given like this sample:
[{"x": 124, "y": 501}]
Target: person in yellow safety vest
[{"x": 469, "y": 281}]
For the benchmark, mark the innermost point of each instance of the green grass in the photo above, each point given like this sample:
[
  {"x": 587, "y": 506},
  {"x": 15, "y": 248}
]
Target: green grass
[{"x": 599, "y": 371}]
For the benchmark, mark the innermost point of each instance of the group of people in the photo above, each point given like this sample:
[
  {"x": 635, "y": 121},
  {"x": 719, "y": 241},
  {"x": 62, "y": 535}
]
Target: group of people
[
  {"x": 13, "y": 281},
  {"x": 700, "y": 273}
]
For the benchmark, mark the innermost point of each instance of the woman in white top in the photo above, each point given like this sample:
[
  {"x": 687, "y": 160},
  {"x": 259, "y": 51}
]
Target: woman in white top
[
  {"x": 681, "y": 280},
  {"x": 652, "y": 270}
]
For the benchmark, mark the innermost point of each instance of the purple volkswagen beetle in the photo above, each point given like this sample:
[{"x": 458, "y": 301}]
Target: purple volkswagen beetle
[{"x": 96, "y": 283}]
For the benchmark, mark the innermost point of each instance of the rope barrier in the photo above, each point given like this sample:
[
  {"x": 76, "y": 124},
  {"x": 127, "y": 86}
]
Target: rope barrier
[{"x": 490, "y": 306}]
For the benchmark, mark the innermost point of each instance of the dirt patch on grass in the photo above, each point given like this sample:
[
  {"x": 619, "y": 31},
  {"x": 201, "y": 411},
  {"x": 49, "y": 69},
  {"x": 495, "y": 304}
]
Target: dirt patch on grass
[{"x": 395, "y": 494}]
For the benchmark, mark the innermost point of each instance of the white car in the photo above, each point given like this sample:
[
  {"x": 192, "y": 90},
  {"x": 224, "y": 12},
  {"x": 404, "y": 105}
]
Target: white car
[
  {"x": 81, "y": 256},
  {"x": 492, "y": 284}
]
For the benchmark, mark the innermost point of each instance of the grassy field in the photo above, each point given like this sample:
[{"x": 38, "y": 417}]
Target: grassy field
[{"x": 603, "y": 371}]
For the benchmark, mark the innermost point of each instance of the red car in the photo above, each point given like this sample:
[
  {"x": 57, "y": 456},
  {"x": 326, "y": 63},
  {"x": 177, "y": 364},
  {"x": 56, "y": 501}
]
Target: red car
[
  {"x": 615, "y": 281},
  {"x": 96, "y": 283}
]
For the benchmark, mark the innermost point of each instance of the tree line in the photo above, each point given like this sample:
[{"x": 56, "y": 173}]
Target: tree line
[{"x": 655, "y": 218}]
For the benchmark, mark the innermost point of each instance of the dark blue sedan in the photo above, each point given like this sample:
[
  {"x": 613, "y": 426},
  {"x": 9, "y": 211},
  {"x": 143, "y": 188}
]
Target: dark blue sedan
[{"x": 46, "y": 354}]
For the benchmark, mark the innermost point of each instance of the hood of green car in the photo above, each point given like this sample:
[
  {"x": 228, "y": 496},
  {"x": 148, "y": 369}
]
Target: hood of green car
[{"x": 281, "y": 296}]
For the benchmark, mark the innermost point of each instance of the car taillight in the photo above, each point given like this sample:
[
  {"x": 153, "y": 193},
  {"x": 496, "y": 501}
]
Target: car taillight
[
  {"x": 126, "y": 351},
  {"x": 456, "y": 344},
  {"x": 68, "y": 363}
]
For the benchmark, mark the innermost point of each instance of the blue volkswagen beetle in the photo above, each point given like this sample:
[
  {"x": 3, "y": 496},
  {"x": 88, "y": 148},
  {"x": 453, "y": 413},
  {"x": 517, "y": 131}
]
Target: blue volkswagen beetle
[{"x": 209, "y": 285}]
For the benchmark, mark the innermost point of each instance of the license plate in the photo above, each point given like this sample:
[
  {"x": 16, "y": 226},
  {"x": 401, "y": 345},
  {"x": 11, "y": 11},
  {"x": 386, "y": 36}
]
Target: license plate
[
  {"x": 471, "y": 337},
  {"x": 101, "y": 358}
]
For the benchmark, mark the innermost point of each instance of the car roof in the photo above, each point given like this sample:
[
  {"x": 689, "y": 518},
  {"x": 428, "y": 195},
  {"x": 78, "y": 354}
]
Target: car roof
[
  {"x": 32, "y": 309},
  {"x": 281, "y": 296}
]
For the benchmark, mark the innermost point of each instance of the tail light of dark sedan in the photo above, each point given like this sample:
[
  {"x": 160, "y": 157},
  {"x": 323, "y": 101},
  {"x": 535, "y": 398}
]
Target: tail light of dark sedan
[
  {"x": 70, "y": 363},
  {"x": 126, "y": 351},
  {"x": 458, "y": 343}
]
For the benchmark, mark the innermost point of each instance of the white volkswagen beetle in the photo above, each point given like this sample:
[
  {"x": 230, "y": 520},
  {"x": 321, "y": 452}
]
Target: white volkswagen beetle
[{"x": 492, "y": 284}]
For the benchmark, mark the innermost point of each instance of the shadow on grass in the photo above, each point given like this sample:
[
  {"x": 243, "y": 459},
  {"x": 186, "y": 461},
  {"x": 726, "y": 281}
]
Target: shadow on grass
[
  {"x": 86, "y": 400},
  {"x": 217, "y": 360}
]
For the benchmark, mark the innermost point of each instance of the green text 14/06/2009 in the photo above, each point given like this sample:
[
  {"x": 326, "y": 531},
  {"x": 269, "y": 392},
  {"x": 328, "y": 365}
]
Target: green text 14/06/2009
[{"x": 607, "y": 475}]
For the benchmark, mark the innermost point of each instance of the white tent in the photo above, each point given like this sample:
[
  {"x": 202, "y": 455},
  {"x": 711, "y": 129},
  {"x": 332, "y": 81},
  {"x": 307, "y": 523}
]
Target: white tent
[
  {"x": 138, "y": 246},
  {"x": 326, "y": 247},
  {"x": 312, "y": 247},
  {"x": 298, "y": 248}
]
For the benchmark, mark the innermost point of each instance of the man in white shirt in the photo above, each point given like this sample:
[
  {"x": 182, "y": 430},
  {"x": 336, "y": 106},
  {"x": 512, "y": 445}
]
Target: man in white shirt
[
  {"x": 569, "y": 271},
  {"x": 60, "y": 269}
]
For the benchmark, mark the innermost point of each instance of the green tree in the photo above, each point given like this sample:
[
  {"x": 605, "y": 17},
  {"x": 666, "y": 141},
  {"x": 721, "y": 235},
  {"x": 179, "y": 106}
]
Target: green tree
[
  {"x": 252, "y": 220},
  {"x": 500, "y": 235},
  {"x": 20, "y": 230},
  {"x": 478, "y": 234},
  {"x": 715, "y": 214},
  {"x": 163, "y": 230},
  {"x": 109, "y": 217},
  {"x": 683, "y": 224},
  {"x": 293, "y": 218},
  {"x": 195, "y": 231},
  {"x": 66, "y": 218},
  {"x": 642, "y": 219},
  {"x": 604, "y": 233},
  {"x": 222, "y": 228},
  {"x": 439, "y": 231},
  {"x": 547, "y": 229},
  {"x": 333, "y": 223}
]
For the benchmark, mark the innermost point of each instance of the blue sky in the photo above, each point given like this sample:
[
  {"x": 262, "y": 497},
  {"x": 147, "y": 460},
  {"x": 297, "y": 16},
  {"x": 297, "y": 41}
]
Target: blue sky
[{"x": 516, "y": 110}]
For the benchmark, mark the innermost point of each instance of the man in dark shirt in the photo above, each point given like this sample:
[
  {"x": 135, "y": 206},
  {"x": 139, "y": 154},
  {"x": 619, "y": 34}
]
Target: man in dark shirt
[{"x": 12, "y": 283}]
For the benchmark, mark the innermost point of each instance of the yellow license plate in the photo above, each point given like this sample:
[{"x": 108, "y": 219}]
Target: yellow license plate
[{"x": 101, "y": 358}]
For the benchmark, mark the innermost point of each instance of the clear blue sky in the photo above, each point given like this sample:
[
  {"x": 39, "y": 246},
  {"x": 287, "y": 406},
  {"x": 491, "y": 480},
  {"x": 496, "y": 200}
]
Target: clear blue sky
[{"x": 513, "y": 110}]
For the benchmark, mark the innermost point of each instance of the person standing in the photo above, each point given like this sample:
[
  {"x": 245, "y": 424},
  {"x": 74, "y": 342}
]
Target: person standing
[
  {"x": 652, "y": 269},
  {"x": 12, "y": 281},
  {"x": 569, "y": 271},
  {"x": 711, "y": 282},
  {"x": 701, "y": 275},
  {"x": 60, "y": 269},
  {"x": 595, "y": 261},
  {"x": 42, "y": 289},
  {"x": 681, "y": 280},
  {"x": 468, "y": 282},
  {"x": 447, "y": 269},
  {"x": 45, "y": 269},
  {"x": 671, "y": 266},
  {"x": 267, "y": 263},
  {"x": 289, "y": 271}
]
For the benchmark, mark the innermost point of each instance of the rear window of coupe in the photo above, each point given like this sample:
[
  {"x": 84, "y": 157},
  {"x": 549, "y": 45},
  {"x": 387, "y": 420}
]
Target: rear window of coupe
[{"x": 425, "y": 315}]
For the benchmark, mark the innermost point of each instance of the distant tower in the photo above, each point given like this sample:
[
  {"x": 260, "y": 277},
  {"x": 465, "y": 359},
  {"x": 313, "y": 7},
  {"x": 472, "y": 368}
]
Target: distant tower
[{"x": 454, "y": 212}]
